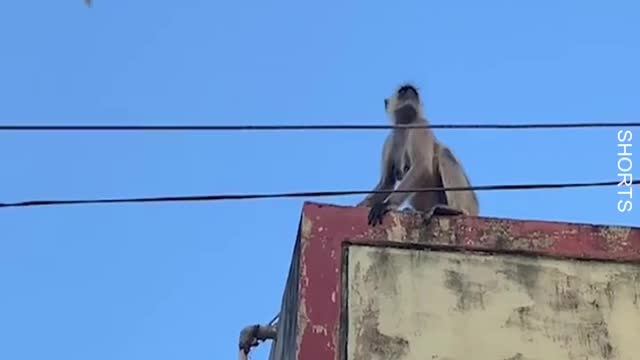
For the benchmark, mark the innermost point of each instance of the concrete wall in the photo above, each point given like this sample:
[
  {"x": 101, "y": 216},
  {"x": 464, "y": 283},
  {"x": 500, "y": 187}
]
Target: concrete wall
[{"x": 416, "y": 304}]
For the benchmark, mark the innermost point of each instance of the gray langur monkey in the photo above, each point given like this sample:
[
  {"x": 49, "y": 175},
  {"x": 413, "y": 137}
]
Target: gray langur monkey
[{"x": 413, "y": 159}]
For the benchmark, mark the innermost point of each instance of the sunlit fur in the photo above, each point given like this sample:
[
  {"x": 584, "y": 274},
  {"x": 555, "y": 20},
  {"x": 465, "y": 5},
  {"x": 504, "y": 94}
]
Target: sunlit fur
[{"x": 413, "y": 159}]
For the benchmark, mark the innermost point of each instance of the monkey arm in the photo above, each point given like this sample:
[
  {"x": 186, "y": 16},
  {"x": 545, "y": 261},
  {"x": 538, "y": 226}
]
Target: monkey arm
[
  {"x": 421, "y": 160},
  {"x": 411, "y": 180},
  {"x": 452, "y": 174},
  {"x": 387, "y": 177},
  {"x": 385, "y": 183}
]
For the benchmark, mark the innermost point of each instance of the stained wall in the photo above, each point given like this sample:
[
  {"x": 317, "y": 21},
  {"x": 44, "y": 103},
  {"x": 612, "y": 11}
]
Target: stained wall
[{"x": 416, "y": 304}]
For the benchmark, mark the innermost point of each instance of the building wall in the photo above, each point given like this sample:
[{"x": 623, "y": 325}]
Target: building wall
[
  {"x": 324, "y": 285},
  {"x": 416, "y": 304}
]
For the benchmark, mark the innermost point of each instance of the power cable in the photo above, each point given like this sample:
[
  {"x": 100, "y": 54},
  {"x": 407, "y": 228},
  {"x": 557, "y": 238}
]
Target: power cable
[
  {"x": 300, "y": 194},
  {"x": 304, "y": 127}
]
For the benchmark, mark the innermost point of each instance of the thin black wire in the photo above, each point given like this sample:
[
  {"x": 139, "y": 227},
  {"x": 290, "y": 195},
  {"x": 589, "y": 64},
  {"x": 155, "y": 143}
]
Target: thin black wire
[
  {"x": 274, "y": 319},
  {"x": 303, "y": 127},
  {"x": 302, "y": 194}
]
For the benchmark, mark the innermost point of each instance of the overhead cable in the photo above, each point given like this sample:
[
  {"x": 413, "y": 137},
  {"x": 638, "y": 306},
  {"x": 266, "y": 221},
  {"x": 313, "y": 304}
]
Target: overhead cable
[
  {"x": 306, "y": 127},
  {"x": 227, "y": 197}
]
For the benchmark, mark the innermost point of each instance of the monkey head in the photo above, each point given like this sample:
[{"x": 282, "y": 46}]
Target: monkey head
[{"x": 405, "y": 105}]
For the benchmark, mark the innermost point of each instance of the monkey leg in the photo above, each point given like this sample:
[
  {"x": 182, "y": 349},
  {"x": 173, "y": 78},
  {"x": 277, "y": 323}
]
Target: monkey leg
[
  {"x": 379, "y": 210},
  {"x": 441, "y": 210}
]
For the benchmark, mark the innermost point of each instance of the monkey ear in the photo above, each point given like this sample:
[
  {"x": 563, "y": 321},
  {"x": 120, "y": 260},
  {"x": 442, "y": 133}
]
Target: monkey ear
[{"x": 386, "y": 103}]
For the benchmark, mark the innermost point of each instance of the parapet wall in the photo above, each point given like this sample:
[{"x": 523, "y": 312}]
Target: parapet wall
[{"x": 460, "y": 288}]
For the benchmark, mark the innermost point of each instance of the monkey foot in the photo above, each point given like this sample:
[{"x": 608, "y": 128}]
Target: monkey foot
[
  {"x": 408, "y": 211},
  {"x": 442, "y": 210}
]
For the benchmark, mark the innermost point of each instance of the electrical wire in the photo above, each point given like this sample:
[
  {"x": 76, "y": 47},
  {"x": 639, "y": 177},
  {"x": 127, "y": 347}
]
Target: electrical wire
[
  {"x": 275, "y": 318},
  {"x": 304, "y": 127},
  {"x": 226, "y": 197}
]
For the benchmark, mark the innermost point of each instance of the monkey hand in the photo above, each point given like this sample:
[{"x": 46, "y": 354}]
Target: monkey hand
[
  {"x": 442, "y": 210},
  {"x": 377, "y": 212}
]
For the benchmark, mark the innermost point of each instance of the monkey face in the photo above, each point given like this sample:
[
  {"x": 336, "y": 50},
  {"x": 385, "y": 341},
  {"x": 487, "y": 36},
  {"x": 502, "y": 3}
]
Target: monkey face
[
  {"x": 405, "y": 105},
  {"x": 408, "y": 93}
]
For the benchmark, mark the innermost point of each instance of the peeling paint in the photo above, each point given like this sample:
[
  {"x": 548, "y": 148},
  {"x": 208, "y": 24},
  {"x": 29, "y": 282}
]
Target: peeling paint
[
  {"x": 319, "y": 329},
  {"x": 318, "y": 323},
  {"x": 615, "y": 238},
  {"x": 303, "y": 320}
]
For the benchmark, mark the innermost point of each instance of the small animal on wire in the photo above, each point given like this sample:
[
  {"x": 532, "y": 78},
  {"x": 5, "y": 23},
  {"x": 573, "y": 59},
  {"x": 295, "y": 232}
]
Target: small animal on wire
[{"x": 413, "y": 158}]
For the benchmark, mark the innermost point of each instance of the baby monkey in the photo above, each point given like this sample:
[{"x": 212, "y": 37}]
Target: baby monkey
[{"x": 414, "y": 159}]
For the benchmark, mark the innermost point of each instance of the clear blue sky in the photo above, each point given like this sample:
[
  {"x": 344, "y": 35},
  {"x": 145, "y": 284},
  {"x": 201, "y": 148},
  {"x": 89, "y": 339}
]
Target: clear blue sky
[{"x": 177, "y": 281}]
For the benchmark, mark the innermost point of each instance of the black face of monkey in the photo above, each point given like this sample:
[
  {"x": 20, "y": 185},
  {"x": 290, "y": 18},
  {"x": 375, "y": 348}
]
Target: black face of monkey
[
  {"x": 404, "y": 105},
  {"x": 408, "y": 92},
  {"x": 404, "y": 93}
]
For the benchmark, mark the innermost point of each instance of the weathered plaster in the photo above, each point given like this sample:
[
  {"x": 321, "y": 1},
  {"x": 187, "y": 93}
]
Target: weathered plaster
[{"x": 417, "y": 304}]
